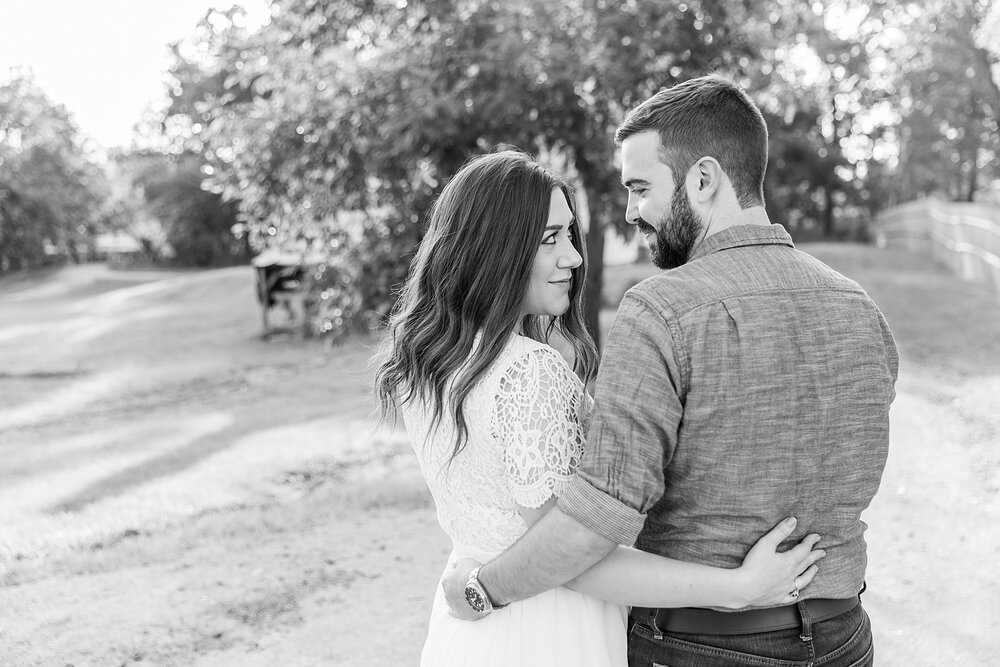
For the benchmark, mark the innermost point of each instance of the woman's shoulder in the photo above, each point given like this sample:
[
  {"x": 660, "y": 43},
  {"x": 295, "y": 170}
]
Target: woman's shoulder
[
  {"x": 523, "y": 353},
  {"x": 522, "y": 347},
  {"x": 536, "y": 377}
]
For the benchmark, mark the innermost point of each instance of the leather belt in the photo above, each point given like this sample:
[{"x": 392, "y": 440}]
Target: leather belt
[{"x": 711, "y": 622}]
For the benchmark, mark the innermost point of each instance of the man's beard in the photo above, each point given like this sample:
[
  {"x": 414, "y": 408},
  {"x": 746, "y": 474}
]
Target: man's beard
[{"x": 676, "y": 236}]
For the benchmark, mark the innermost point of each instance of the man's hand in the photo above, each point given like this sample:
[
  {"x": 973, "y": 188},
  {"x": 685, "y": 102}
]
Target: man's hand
[{"x": 453, "y": 585}]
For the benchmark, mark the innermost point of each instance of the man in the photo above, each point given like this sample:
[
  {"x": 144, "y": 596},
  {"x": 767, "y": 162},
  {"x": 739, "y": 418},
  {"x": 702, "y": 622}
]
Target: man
[{"x": 746, "y": 383}]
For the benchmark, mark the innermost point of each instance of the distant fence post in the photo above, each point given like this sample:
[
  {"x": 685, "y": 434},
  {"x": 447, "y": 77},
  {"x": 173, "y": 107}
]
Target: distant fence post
[{"x": 963, "y": 236}]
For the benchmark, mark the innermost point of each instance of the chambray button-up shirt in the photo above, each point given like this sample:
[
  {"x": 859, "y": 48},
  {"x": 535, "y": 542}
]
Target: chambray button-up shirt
[{"x": 750, "y": 384}]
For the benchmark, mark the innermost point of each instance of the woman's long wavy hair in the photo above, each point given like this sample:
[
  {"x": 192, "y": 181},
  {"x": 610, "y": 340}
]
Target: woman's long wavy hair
[{"x": 470, "y": 275}]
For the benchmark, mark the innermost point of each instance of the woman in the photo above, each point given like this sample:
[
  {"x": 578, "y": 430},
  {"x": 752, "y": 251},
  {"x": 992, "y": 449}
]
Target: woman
[{"x": 497, "y": 419}]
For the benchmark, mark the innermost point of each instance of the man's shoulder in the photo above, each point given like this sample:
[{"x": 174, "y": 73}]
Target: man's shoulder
[
  {"x": 678, "y": 290},
  {"x": 817, "y": 273},
  {"x": 735, "y": 272}
]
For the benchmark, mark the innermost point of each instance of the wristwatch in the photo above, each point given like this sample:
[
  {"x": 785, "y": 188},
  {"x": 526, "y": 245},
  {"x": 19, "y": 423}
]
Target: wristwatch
[{"x": 476, "y": 595}]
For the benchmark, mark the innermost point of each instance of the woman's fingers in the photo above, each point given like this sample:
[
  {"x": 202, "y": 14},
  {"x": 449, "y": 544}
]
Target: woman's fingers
[
  {"x": 799, "y": 583},
  {"x": 813, "y": 556},
  {"x": 802, "y": 550},
  {"x": 806, "y": 577},
  {"x": 778, "y": 534}
]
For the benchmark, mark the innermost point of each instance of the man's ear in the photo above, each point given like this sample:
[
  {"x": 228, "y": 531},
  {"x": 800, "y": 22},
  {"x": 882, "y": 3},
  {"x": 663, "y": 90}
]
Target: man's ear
[{"x": 704, "y": 179}]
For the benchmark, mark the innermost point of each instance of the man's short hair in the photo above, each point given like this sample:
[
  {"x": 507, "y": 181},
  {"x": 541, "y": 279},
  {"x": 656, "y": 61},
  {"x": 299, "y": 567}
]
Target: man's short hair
[{"x": 708, "y": 116}]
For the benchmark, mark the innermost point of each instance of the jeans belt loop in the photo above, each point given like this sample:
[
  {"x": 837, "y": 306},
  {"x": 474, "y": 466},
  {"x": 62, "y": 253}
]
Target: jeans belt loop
[
  {"x": 807, "y": 634},
  {"x": 657, "y": 633}
]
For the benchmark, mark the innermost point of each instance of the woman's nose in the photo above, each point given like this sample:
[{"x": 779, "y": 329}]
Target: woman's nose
[{"x": 571, "y": 258}]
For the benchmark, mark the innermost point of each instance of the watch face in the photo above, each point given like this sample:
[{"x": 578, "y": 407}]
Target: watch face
[{"x": 474, "y": 599}]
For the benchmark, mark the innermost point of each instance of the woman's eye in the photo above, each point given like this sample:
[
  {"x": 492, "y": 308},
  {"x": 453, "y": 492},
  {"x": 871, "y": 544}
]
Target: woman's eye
[{"x": 549, "y": 240}]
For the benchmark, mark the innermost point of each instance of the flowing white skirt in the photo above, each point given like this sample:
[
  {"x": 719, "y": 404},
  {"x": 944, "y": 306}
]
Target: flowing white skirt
[{"x": 559, "y": 628}]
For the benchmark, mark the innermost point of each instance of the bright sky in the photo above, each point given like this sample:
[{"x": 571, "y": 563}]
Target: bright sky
[{"x": 103, "y": 59}]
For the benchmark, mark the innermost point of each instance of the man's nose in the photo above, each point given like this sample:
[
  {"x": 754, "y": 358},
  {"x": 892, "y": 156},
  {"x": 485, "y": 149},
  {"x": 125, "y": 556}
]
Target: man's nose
[{"x": 631, "y": 211}]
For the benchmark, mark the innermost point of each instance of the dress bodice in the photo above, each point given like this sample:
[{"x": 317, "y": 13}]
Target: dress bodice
[{"x": 526, "y": 419}]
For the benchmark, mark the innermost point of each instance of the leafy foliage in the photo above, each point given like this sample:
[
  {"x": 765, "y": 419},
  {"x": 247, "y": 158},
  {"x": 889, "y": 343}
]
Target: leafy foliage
[
  {"x": 197, "y": 224},
  {"x": 950, "y": 101},
  {"x": 51, "y": 189},
  {"x": 369, "y": 107},
  {"x": 336, "y": 125}
]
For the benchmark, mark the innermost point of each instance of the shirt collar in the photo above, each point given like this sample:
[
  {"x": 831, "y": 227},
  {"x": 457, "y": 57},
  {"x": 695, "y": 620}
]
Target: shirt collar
[{"x": 742, "y": 235}]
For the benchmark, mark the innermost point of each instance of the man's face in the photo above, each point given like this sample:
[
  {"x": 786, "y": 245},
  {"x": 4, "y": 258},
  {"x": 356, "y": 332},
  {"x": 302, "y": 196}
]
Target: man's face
[{"x": 659, "y": 207}]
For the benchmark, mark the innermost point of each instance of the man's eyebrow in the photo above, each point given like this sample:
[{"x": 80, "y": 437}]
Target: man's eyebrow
[{"x": 634, "y": 181}]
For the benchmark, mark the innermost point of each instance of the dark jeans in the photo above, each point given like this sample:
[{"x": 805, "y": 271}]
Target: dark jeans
[{"x": 842, "y": 641}]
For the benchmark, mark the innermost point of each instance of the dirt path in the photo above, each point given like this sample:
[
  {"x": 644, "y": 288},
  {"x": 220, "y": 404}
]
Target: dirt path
[
  {"x": 276, "y": 586},
  {"x": 936, "y": 519},
  {"x": 174, "y": 491}
]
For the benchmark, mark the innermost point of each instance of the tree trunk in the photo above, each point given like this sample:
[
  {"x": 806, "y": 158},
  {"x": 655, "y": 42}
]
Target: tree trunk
[
  {"x": 595, "y": 273},
  {"x": 828, "y": 212},
  {"x": 594, "y": 183},
  {"x": 973, "y": 174}
]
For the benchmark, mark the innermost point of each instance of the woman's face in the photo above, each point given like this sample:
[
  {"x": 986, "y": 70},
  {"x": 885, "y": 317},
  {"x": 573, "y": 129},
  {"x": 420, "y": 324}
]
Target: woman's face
[{"x": 552, "y": 271}]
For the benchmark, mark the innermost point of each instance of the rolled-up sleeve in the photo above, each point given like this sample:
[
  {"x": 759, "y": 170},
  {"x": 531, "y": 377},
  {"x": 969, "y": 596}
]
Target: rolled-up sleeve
[{"x": 633, "y": 432}]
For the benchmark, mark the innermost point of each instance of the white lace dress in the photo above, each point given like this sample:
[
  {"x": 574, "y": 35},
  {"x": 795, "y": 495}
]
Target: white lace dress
[{"x": 526, "y": 422}]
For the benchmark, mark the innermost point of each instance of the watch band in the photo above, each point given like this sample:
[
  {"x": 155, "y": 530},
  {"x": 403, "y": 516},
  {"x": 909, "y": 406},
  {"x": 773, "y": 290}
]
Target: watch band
[{"x": 477, "y": 596}]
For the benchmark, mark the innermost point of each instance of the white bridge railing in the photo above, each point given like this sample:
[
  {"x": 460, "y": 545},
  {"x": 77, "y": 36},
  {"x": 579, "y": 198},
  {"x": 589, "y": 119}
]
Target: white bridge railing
[{"x": 962, "y": 236}]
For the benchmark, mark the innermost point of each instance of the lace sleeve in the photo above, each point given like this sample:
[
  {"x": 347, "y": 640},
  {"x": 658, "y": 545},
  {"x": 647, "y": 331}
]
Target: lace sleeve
[{"x": 537, "y": 421}]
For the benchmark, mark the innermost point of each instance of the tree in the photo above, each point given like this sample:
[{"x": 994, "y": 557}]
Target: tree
[
  {"x": 197, "y": 224},
  {"x": 370, "y": 106},
  {"x": 51, "y": 186},
  {"x": 25, "y": 225},
  {"x": 950, "y": 100}
]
